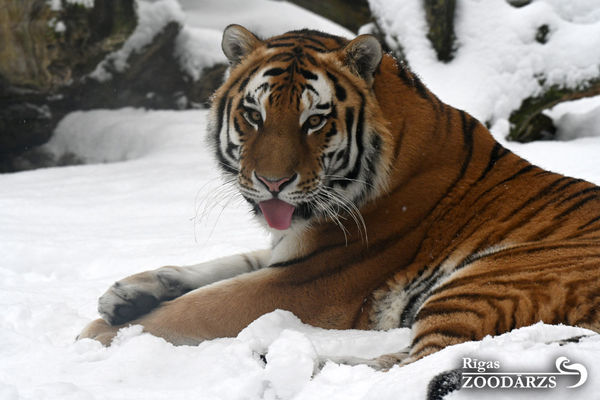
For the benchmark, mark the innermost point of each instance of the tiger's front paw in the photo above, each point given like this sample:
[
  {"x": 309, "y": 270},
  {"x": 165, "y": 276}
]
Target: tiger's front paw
[
  {"x": 138, "y": 294},
  {"x": 124, "y": 302},
  {"x": 99, "y": 330}
]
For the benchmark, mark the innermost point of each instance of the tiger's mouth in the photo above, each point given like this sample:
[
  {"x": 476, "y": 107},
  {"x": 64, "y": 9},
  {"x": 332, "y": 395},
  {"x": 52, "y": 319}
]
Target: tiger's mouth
[{"x": 277, "y": 212}]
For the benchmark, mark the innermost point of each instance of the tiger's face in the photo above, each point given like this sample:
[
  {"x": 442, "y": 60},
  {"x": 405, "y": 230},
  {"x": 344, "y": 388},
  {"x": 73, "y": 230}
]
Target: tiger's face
[{"x": 294, "y": 123}]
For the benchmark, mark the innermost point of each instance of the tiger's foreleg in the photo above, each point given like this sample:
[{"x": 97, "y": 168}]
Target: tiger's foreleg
[
  {"x": 224, "y": 308},
  {"x": 138, "y": 294}
]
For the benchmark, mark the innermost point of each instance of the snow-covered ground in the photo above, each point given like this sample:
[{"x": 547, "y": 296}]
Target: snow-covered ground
[{"x": 150, "y": 196}]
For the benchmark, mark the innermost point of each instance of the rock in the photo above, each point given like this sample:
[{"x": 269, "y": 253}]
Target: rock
[
  {"x": 65, "y": 47},
  {"x": 43, "y": 49}
]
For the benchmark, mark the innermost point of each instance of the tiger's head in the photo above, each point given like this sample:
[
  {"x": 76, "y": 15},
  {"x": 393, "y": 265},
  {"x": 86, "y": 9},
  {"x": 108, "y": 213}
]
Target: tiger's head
[{"x": 296, "y": 124}]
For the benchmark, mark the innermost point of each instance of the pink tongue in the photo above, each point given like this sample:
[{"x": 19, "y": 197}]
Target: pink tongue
[{"x": 278, "y": 213}]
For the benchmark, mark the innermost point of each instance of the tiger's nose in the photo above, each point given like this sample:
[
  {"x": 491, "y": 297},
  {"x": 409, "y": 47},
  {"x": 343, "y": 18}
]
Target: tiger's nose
[{"x": 275, "y": 185}]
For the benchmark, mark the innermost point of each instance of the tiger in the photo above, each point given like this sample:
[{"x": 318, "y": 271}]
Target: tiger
[{"x": 386, "y": 207}]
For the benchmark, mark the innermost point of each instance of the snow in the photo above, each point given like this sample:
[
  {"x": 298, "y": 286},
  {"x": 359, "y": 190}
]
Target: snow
[
  {"x": 152, "y": 18},
  {"x": 198, "y": 43},
  {"x": 263, "y": 17},
  {"x": 577, "y": 119},
  {"x": 56, "y": 5},
  {"x": 149, "y": 195},
  {"x": 497, "y": 46}
]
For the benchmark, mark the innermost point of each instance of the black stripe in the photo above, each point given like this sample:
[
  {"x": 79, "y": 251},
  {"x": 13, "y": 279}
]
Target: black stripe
[
  {"x": 473, "y": 297},
  {"x": 272, "y": 45},
  {"x": 311, "y": 88},
  {"x": 308, "y": 256},
  {"x": 425, "y": 94},
  {"x": 405, "y": 75},
  {"x": 536, "y": 197},
  {"x": 282, "y": 57},
  {"x": 522, "y": 283},
  {"x": 230, "y": 146},
  {"x": 429, "y": 347},
  {"x": 237, "y": 127},
  {"x": 275, "y": 71},
  {"x": 359, "y": 140},
  {"x": 576, "y": 206},
  {"x": 332, "y": 131},
  {"x": 421, "y": 89},
  {"x": 230, "y": 149},
  {"x": 572, "y": 181},
  {"x": 498, "y": 151},
  {"x": 350, "y": 135},
  {"x": 262, "y": 86},
  {"x": 310, "y": 59},
  {"x": 372, "y": 161},
  {"x": 579, "y": 194},
  {"x": 315, "y": 41},
  {"x": 520, "y": 172},
  {"x": 434, "y": 311},
  {"x": 596, "y": 219},
  {"x": 246, "y": 80},
  {"x": 418, "y": 298},
  {"x": 450, "y": 333},
  {"x": 317, "y": 49},
  {"x": 340, "y": 41},
  {"x": 222, "y": 162},
  {"x": 468, "y": 129},
  {"x": 220, "y": 111},
  {"x": 340, "y": 92},
  {"x": 300, "y": 37},
  {"x": 308, "y": 75}
]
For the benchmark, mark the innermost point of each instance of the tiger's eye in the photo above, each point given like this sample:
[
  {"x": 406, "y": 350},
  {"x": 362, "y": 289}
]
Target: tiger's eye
[
  {"x": 255, "y": 116},
  {"x": 314, "y": 121}
]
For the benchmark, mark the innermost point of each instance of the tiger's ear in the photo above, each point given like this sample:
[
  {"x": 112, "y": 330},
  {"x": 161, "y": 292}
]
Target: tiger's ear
[
  {"x": 363, "y": 55},
  {"x": 238, "y": 42}
]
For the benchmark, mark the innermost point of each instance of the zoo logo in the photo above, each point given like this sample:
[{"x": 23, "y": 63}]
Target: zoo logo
[{"x": 479, "y": 374}]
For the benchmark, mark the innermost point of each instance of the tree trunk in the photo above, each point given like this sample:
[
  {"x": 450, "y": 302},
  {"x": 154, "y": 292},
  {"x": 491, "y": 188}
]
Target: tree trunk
[
  {"x": 351, "y": 14},
  {"x": 528, "y": 123},
  {"x": 439, "y": 15}
]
